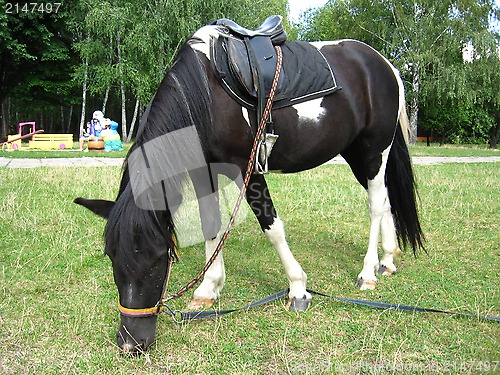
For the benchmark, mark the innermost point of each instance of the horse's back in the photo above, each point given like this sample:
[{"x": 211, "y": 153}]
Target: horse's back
[
  {"x": 365, "y": 108},
  {"x": 315, "y": 131},
  {"x": 369, "y": 81},
  {"x": 351, "y": 59}
]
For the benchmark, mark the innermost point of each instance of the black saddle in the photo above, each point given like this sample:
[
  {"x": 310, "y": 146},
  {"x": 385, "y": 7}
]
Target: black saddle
[
  {"x": 244, "y": 61},
  {"x": 253, "y": 54}
]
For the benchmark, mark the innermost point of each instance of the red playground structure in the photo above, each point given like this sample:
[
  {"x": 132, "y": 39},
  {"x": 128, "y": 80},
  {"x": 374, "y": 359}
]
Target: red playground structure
[
  {"x": 14, "y": 141},
  {"x": 38, "y": 140}
]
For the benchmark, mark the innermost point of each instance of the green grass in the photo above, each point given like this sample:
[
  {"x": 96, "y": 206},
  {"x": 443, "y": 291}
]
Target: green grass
[
  {"x": 452, "y": 150},
  {"x": 58, "y": 310}
]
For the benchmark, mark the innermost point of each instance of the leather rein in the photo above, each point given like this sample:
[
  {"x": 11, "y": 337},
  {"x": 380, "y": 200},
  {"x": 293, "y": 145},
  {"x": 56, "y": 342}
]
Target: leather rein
[{"x": 173, "y": 255}]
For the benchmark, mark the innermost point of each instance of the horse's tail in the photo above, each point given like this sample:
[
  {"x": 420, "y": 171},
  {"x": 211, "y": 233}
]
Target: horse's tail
[
  {"x": 402, "y": 189},
  {"x": 404, "y": 122}
]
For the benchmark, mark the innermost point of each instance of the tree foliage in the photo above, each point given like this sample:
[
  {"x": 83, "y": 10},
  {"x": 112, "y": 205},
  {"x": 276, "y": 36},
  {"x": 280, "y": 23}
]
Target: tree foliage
[
  {"x": 100, "y": 48},
  {"x": 36, "y": 63},
  {"x": 93, "y": 54},
  {"x": 425, "y": 40}
]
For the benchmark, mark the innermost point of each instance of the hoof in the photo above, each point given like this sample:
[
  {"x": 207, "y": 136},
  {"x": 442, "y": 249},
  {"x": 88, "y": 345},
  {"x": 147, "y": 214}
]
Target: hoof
[
  {"x": 299, "y": 304},
  {"x": 384, "y": 271},
  {"x": 366, "y": 284},
  {"x": 200, "y": 303}
]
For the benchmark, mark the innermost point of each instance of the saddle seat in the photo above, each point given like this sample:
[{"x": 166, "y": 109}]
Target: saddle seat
[
  {"x": 272, "y": 28},
  {"x": 253, "y": 54}
]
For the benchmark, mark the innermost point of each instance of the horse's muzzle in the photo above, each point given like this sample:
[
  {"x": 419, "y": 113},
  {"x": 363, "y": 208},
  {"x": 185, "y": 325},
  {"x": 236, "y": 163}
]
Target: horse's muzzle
[{"x": 136, "y": 335}]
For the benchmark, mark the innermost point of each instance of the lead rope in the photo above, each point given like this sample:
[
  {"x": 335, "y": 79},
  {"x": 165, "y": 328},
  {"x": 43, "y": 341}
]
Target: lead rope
[{"x": 248, "y": 175}]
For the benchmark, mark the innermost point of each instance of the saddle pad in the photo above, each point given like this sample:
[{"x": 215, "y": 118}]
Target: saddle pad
[{"x": 305, "y": 75}]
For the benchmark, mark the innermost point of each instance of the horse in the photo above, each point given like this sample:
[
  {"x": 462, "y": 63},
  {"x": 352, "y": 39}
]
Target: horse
[{"x": 365, "y": 122}]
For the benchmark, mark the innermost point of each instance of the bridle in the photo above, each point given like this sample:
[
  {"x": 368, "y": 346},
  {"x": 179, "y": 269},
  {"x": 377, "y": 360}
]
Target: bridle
[
  {"x": 158, "y": 308},
  {"x": 173, "y": 255}
]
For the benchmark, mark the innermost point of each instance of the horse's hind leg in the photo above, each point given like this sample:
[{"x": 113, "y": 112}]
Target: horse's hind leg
[
  {"x": 390, "y": 246},
  {"x": 380, "y": 218},
  {"x": 206, "y": 188},
  {"x": 260, "y": 201},
  {"x": 380, "y": 215}
]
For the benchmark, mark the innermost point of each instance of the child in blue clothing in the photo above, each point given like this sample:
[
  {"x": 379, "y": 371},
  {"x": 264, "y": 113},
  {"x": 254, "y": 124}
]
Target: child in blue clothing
[
  {"x": 112, "y": 140},
  {"x": 93, "y": 128}
]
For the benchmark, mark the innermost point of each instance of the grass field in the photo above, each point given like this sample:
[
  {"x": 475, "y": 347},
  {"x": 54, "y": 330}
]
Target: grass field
[
  {"x": 70, "y": 153},
  {"x": 58, "y": 310}
]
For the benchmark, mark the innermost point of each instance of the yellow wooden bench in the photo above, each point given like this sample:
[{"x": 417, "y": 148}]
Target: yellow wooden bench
[{"x": 50, "y": 141}]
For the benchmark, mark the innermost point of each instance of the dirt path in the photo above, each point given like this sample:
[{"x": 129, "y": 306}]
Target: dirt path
[
  {"x": 113, "y": 162},
  {"x": 430, "y": 160}
]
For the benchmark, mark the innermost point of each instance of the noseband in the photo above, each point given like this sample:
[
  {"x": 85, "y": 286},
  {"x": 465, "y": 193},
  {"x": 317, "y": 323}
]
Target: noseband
[{"x": 158, "y": 308}]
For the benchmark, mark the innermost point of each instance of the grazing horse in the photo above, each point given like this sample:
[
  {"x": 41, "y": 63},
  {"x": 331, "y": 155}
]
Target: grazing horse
[{"x": 365, "y": 121}]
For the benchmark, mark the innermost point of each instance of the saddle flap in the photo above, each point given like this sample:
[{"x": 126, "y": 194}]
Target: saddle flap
[
  {"x": 262, "y": 57},
  {"x": 240, "y": 65}
]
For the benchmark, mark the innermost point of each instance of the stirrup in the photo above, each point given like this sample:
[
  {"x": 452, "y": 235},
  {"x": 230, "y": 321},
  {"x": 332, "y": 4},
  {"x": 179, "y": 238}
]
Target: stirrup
[{"x": 263, "y": 152}]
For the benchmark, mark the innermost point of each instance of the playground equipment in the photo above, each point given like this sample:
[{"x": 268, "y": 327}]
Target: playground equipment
[
  {"x": 50, "y": 141},
  {"x": 14, "y": 141},
  {"x": 38, "y": 140}
]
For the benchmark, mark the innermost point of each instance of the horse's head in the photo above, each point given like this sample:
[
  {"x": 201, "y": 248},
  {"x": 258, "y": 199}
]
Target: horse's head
[{"x": 139, "y": 244}]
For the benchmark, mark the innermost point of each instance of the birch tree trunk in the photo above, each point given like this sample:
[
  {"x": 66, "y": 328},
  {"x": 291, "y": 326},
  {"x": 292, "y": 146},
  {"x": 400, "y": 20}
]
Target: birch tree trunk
[
  {"x": 61, "y": 108},
  {"x": 105, "y": 101},
  {"x": 122, "y": 87},
  {"x": 134, "y": 120},
  {"x": 68, "y": 126},
  {"x": 124, "y": 111},
  {"x": 414, "y": 104},
  {"x": 5, "y": 127},
  {"x": 84, "y": 97}
]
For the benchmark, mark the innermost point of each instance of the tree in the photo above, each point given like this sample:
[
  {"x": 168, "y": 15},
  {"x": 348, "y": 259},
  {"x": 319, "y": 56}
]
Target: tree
[
  {"x": 114, "y": 52},
  {"x": 423, "y": 38},
  {"x": 36, "y": 61},
  {"x": 129, "y": 45},
  {"x": 483, "y": 77}
]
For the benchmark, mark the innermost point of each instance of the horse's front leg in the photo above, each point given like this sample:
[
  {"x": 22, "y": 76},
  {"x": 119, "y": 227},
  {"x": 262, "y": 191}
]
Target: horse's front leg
[
  {"x": 208, "y": 201},
  {"x": 260, "y": 201},
  {"x": 209, "y": 290}
]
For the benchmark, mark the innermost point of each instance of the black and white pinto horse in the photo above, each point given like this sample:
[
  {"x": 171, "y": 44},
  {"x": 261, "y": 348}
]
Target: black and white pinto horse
[{"x": 365, "y": 122}]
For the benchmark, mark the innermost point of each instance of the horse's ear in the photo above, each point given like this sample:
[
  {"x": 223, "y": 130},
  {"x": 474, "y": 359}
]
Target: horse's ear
[{"x": 98, "y": 206}]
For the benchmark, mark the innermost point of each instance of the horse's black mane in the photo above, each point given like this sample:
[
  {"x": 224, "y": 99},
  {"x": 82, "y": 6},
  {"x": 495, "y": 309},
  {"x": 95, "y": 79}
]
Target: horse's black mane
[{"x": 182, "y": 100}]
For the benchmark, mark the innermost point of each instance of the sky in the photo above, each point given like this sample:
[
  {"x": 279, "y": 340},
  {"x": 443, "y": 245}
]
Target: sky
[{"x": 299, "y": 6}]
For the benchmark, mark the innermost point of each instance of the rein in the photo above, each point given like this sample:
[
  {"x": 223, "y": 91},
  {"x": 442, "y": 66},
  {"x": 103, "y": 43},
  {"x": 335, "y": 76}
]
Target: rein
[
  {"x": 182, "y": 317},
  {"x": 161, "y": 305}
]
